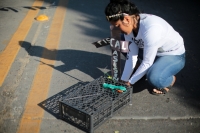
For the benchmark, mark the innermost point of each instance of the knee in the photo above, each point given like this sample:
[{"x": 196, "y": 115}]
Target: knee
[{"x": 153, "y": 79}]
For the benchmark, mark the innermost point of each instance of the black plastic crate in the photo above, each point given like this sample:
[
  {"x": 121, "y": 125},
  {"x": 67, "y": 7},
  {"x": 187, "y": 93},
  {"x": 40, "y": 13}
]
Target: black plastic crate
[{"x": 88, "y": 106}]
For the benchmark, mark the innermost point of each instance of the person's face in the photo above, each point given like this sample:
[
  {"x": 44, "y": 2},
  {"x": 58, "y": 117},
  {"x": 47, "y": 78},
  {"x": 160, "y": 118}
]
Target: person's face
[{"x": 125, "y": 26}]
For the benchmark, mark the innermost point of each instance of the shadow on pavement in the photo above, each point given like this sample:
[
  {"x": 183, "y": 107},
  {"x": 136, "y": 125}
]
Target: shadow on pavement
[{"x": 86, "y": 62}]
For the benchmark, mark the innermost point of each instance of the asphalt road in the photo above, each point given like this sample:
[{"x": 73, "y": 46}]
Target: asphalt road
[{"x": 47, "y": 58}]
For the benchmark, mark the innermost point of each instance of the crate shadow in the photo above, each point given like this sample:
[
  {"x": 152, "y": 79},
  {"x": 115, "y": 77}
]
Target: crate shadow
[{"x": 51, "y": 105}]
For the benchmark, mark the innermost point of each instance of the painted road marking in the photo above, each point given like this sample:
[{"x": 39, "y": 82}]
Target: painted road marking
[
  {"x": 33, "y": 114},
  {"x": 7, "y": 57}
]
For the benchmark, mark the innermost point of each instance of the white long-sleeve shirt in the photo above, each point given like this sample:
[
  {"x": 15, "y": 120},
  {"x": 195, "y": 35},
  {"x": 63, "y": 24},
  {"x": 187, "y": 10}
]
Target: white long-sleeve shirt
[{"x": 157, "y": 38}]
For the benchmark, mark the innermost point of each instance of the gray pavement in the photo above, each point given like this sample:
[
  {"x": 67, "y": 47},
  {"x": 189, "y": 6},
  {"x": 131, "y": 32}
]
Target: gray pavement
[{"x": 79, "y": 61}]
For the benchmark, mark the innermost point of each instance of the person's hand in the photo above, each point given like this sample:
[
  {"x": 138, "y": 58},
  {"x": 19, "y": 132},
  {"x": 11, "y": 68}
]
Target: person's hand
[{"x": 128, "y": 83}]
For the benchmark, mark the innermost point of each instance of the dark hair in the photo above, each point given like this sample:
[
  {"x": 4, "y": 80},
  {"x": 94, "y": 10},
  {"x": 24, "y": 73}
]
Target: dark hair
[{"x": 115, "y": 9}]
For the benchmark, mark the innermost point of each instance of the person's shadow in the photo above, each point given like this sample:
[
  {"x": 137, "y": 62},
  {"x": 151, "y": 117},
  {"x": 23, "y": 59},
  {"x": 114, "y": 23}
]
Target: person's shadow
[{"x": 86, "y": 62}]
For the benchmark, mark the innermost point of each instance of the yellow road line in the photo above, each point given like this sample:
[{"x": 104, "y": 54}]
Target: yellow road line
[
  {"x": 32, "y": 116},
  {"x": 8, "y": 55}
]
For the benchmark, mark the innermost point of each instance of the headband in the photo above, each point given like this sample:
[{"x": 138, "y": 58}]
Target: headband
[{"x": 115, "y": 15}]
